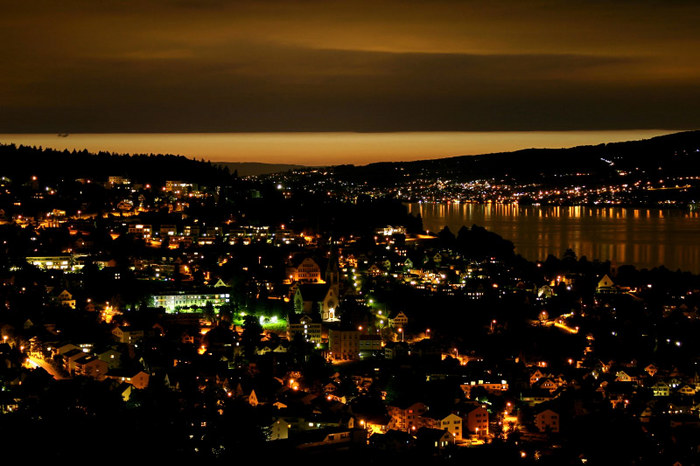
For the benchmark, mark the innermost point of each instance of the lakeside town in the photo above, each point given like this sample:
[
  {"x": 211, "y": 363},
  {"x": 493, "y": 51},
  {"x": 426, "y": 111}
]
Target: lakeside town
[
  {"x": 659, "y": 172},
  {"x": 177, "y": 318}
]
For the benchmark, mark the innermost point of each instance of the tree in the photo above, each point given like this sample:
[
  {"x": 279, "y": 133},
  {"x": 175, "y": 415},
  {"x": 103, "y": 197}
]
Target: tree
[
  {"x": 446, "y": 237},
  {"x": 209, "y": 313},
  {"x": 226, "y": 313},
  {"x": 252, "y": 334}
]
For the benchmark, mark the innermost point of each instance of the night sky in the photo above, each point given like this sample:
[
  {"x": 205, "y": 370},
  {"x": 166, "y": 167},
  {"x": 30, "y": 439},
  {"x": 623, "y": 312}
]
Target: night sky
[{"x": 154, "y": 66}]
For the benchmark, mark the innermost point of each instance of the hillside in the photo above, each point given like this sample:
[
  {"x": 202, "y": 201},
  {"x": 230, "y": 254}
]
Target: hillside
[
  {"x": 255, "y": 168},
  {"x": 673, "y": 155},
  {"x": 23, "y": 161}
]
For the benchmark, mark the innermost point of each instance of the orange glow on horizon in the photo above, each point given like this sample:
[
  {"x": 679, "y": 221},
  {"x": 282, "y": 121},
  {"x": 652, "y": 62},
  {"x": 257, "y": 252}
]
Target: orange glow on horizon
[{"x": 325, "y": 148}]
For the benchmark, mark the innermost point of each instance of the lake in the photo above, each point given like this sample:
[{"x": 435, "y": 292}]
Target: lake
[{"x": 642, "y": 237}]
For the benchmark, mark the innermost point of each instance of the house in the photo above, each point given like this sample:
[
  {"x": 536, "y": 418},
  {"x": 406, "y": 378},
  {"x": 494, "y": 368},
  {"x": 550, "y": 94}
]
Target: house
[
  {"x": 128, "y": 335},
  {"x": 547, "y": 383},
  {"x": 450, "y": 422},
  {"x": 536, "y": 375},
  {"x": 661, "y": 388},
  {"x": 375, "y": 271},
  {"x": 651, "y": 369},
  {"x": 136, "y": 378},
  {"x": 399, "y": 320},
  {"x": 433, "y": 439},
  {"x": 606, "y": 285},
  {"x": 64, "y": 299},
  {"x": 623, "y": 376},
  {"x": 278, "y": 430},
  {"x": 407, "y": 417},
  {"x": 111, "y": 357},
  {"x": 267, "y": 347},
  {"x": 547, "y": 420},
  {"x": 63, "y": 349},
  {"x": 687, "y": 390}
]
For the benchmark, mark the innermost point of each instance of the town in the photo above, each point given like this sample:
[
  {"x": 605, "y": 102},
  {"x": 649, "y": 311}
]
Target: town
[
  {"x": 622, "y": 174},
  {"x": 159, "y": 318}
]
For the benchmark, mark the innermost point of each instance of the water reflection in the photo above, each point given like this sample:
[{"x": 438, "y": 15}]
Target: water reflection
[{"x": 643, "y": 237}]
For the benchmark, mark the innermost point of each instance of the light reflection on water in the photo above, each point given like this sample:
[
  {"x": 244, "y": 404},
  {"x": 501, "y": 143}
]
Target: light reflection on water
[{"x": 638, "y": 236}]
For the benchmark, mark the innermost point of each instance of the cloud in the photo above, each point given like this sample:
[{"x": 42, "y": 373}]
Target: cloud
[{"x": 346, "y": 66}]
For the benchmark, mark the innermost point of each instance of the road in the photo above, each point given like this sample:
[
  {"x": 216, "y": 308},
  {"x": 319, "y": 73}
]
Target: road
[{"x": 47, "y": 367}]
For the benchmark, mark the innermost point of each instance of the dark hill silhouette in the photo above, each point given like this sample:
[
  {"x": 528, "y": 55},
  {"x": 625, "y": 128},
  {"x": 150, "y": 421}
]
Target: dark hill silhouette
[
  {"x": 673, "y": 154},
  {"x": 25, "y": 161},
  {"x": 255, "y": 168}
]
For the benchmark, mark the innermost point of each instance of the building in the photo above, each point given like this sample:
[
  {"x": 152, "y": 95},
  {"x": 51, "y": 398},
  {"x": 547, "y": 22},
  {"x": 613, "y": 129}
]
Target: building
[
  {"x": 491, "y": 387},
  {"x": 399, "y": 320},
  {"x": 141, "y": 230},
  {"x": 310, "y": 330},
  {"x": 476, "y": 421},
  {"x": 90, "y": 366},
  {"x": 370, "y": 343},
  {"x": 58, "y": 262},
  {"x": 344, "y": 345},
  {"x": 433, "y": 439},
  {"x": 407, "y": 417},
  {"x": 128, "y": 335},
  {"x": 451, "y": 422},
  {"x": 136, "y": 378},
  {"x": 184, "y": 302},
  {"x": 547, "y": 421},
  {"x": 661, "y": 388},
  {"x": 307, "y": 271},
  {"x": 321, "y": 298},
  {"x": 606, "y": 285},
  {"x": 111, "y": 357},
  {"x": 64, "y": 299},
  {"x": 278, "y": 430}
]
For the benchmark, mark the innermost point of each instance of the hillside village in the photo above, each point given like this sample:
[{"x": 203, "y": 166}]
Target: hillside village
[{"x": 188, "y": 320}]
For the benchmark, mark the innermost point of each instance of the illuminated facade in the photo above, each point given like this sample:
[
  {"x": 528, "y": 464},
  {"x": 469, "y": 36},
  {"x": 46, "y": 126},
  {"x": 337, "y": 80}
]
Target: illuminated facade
[
  {"x": 61, "y": 262},
  {"x": 310, "y": 330},
  {"x": 182, "y": 302},
  {"x": 308, "y": 271}
]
